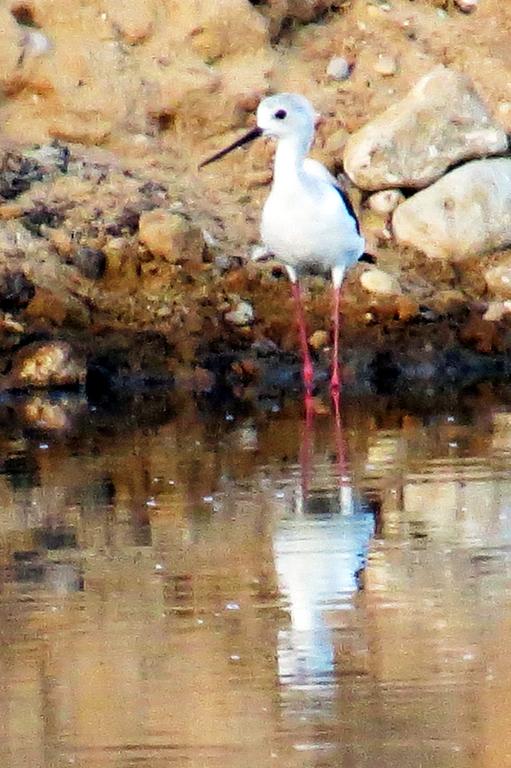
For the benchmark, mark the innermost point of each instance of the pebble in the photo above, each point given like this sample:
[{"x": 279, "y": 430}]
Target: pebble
[
  {"x": 10, "y": 325},
  {"x": 386, "y": 65},
  {"x": 41, "y": 413},
  {"x": 259, "y": 253},
  {"x": 90, "y": 262},
  {"x": 264, "y": 347},
  {"x": 338, "y": 68},
  {"x": 47, "y": 364},
  {"x": 210, "y": 240},
  {"x": 242, "y": 314},
  {"x": 498, "y": 279},
  {"x": 467, "y": 6},
  {"x": 386, "y": 201},
  {"x": 496, "y": 311},
  {"x": 318, "y": 339},
  {"x": 222, "y": 262},
  {"x": 171, "y": 236},
  {"x": 35, "y": 43},
  {"x": 16, "y": 290},
  {"x": 377, "y": 281}
]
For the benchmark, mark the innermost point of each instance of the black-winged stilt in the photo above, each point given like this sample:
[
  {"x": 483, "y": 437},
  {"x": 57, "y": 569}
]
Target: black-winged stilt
[{"x": 307, "y": 219}]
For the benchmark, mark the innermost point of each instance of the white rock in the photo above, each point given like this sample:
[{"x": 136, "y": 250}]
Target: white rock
[
  {"x": 338, "y": 68},
  {"x": 259, "y": 253},
  {"x": 467, "y": 6},
  {"x": 35, "y": 43},
  {"x": 467, "y": 212},
  {"x": 210, "y": 240},
  {"x": 386, "y": 65},
  {"x": 498, "y": 279},
  {"x": 496, "y": 310},
  {"x": 386, "y": 201},
  {"x": 377, "y": 281},
  {"x": 242, "y": 314},
  {"x": 440, "y": 122},
  {"x": 47, "y": 364}
]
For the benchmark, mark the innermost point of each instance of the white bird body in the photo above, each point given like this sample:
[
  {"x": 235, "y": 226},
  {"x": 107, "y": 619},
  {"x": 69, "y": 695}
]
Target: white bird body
[{"x": 305, "y": 221}]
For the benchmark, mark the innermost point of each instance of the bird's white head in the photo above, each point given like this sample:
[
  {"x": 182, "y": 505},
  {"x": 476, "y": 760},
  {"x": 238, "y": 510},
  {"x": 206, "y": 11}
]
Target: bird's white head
[
  {"x": 287, "y": 115},
  {"x": 283, "y": 116}
]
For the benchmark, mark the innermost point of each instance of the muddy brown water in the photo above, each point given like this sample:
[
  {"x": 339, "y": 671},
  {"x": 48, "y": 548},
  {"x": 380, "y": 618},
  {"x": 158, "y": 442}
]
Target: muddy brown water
[{"x": 225, "y": 589}]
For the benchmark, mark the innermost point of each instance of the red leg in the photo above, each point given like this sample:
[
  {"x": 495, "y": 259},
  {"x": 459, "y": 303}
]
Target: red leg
[
  {"x": 306, "y": 445},
  {"x": 339, "y": 437},
  {"x": 335, "y": 377},
  {"x": 307, "y": 369},
  {"x": 335, "y": 380}
]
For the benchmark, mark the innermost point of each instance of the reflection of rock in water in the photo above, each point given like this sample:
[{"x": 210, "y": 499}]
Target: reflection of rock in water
[
  {"x": 32, "y": 566},
  {"x": 21, "y": 470},
  {"x": 27, "y": 566},
  {"x": 320, "y": 504},
  {"x": 62, "y": 578},
  {"x": 57, "y": 537},
  {"x": 319, "y": 553}
]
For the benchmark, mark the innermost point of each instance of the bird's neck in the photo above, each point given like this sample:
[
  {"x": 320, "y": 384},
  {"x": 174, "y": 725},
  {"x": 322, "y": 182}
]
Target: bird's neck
[{"x": 289, "y": 156}]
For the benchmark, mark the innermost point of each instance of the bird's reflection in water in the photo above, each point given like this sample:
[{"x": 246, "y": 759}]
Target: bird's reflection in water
[{"x": 320, "y": 547}]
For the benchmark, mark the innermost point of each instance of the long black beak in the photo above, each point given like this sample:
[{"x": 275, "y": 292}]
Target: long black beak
[{"x": 250, "y": 136}]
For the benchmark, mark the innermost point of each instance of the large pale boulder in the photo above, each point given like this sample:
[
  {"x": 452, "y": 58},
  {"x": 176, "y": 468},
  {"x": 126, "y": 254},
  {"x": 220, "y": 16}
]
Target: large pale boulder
[
  {"x": 440, "y": 122},
  {"x": 467, "y": 212}
]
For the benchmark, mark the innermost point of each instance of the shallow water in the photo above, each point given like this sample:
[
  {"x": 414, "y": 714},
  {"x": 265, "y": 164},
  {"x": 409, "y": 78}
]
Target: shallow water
[{"x": 195, "y": 588}]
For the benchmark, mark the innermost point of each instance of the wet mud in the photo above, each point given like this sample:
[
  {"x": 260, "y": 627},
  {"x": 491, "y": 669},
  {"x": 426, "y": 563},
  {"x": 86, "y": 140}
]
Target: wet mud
[{"x": 77, "y": 267}]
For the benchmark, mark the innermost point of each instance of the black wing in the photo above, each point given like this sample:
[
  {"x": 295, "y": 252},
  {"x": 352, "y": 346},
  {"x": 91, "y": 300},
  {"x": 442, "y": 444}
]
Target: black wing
[{"x": 349, "y": 207}]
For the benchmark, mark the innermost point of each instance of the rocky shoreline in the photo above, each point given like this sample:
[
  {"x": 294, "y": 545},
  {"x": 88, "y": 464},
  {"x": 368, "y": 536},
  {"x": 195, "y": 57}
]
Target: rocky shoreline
[{"x": 121, "y": 265}]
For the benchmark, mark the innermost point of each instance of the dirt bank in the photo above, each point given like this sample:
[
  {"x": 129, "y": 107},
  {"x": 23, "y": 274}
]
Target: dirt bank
[{"x": 111, "y": 240}]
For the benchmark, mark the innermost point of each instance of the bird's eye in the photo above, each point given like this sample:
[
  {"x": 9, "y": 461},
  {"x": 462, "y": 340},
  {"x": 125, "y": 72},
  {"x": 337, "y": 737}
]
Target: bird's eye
[{"x": 280, "y": 114}]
